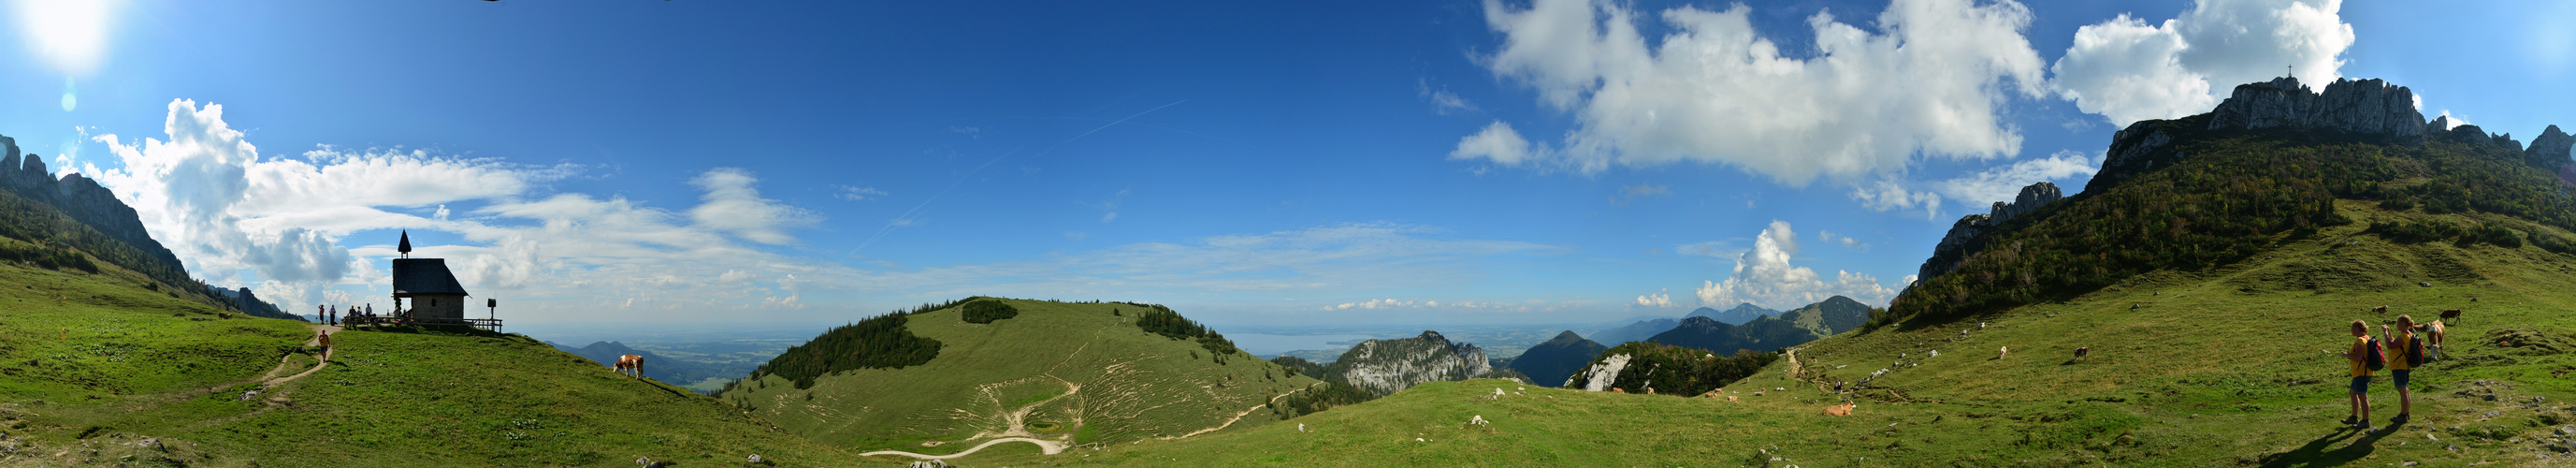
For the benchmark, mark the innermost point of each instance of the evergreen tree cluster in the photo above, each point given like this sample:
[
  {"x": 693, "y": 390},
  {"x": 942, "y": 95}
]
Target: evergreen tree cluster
[
  {"x": 1300, "y": 366},
  {"x": 987, "y": 311},
  {"x": 50, "y": 256},
  {"x": 2236, "y": 193},
  {"x": 1677, "y": 370},
  {"x": 1162, "y": 321},
  {"x": 1324, "y": 396},
  {"x": 879, "y": 342}
]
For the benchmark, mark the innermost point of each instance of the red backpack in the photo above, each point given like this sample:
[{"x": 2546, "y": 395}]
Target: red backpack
[{"x": 2376, "y": 360}]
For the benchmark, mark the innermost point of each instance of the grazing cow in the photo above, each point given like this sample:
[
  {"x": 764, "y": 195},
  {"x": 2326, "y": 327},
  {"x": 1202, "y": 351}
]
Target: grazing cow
[
  {"x": 630, "y": 362},
  {"x": 2379, "y": 310},
  {"x": 2433, "y": 333},
  {"x": 2451, "y": 315},
  {"x": 2080, "y": 353},
  {"x": 1840, "y": 410},
  {"x": 2002, "y": 351}
]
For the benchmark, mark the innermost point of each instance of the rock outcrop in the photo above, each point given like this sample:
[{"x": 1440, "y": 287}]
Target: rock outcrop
[
  {"x": 2550, "y": 149},
  {"x": 2364, "y": 107},
  {"x": 1960, "y": 242},
  {"x": 1387, "y": 366},
  {"x": 81, "y": 198}
]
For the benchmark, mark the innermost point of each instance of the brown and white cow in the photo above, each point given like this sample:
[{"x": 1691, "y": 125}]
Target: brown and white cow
[{"x": 630, "y": 362}]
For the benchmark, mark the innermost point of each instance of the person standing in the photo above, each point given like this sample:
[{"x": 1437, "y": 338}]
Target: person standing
[
  {"x": 330, "y": 317},
  {"x": 2360, "y": 353},
  {"x": 2402, "y": 356}
]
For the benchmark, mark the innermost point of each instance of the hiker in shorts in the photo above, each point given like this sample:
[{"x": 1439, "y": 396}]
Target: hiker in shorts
[
  {"x": 326, "y": 342},
  {"x": 2403, "y": 353},
  {"x": 2362, "y": 349}
]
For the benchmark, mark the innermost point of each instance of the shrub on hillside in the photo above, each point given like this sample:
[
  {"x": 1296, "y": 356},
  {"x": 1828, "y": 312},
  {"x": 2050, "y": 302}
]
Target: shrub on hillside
[
  {"x": 879, "y": 342},
  {"x": 987, "y": 311},
  {"x": 1300, "y": 366},
  {"x": 1320, "y": 397},
  {"x": 1675, "y": 370},
  {"x": 2553, "y": 243},
  {"x": 2412, "y": 232},
  {"x": 2492, "y": 235}
]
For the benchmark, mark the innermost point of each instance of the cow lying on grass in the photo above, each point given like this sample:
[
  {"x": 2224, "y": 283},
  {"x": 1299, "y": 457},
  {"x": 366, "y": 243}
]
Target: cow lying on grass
[{"x": 1840, "y": 410}]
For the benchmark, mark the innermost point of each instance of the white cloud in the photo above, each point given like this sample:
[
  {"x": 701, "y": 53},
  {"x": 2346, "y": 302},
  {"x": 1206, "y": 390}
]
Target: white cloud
[
  {"x": 1887, "y": 194},
  {"x": 2127, "y": 70},
  {"x": 1497, "y": 143},
  {"x": 1764, "y": 276},
  {"x": 1715, "y": 91},
  {"x": 1846, "y": 241},
  {"x": 2000, "y": 184},
  {"x": 1660, "y": 299},
  {"x": 211, "y": 197},
  {"x": 1442, "y": 101},
  {"x": 853, "y": 193},
  {"x": 733, "y": 205},
  {"x": 1719, "y": 249}
]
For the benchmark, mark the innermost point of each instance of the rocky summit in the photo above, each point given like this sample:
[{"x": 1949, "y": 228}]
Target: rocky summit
[
  {"x": 1386, "y": 366},
  {"x": 79, "y": 197},
  {"x": 2364, "y": 107}
]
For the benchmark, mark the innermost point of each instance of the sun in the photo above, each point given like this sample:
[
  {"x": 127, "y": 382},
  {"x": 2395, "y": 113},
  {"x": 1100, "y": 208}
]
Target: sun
[{"x": 70, "y": 33}]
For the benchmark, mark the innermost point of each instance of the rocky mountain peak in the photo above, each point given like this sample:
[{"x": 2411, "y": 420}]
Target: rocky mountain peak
[
  {"x": 1958, "y": 243},
  {"x": 2369, "y": 107}
]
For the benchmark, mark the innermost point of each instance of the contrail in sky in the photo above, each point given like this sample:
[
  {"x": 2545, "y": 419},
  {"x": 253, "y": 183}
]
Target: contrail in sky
[{"x": 916, "y": 209}]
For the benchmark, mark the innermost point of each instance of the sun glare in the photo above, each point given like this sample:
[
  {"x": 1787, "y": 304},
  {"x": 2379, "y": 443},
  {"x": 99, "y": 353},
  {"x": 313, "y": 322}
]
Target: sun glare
[{"x": 70, "y": 33}]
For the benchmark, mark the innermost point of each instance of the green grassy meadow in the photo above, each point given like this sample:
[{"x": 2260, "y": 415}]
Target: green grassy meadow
[
  {"x": 120, "y": 374},
  {"x": 2224, "y": 367},
  {"x": 1078, "y": 373}
]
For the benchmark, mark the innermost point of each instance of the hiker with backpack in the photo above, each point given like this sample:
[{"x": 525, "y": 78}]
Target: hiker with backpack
[
  {"x": 2366, "y": 357},
  {"x": 2408, "y": 351}
]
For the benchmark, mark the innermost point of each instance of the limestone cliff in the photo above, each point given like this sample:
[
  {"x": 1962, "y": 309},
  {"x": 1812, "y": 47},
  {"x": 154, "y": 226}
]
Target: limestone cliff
[
  {"x": 2365, "y": 107},
  {"x": 1387, "y": 366}
]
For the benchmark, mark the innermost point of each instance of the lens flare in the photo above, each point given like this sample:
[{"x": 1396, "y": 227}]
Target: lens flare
[{"x": 70, "y": 33}]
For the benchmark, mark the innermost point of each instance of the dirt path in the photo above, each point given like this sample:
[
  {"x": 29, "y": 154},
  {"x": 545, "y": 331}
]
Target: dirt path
[
  {"x": 1044, "y": 447},
  {"x": 1239, "y": 416},
  {"x": 271, "y": 380}
]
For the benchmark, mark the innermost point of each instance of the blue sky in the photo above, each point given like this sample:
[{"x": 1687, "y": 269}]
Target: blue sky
[{"x": 1387, "y": 162}]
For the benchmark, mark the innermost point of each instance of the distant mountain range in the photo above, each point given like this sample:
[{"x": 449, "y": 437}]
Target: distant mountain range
[
  {"x": 666, "y": 369},
  {"x": 1638, "y": 331},
  {"x": 1742, "y": 313}
]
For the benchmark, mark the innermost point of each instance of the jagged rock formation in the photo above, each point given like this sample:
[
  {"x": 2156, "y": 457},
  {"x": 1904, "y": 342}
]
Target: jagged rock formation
[
  {"x": 1387, "y": 366},
  {"x": 1958, "y": 244},
  {"x": 250, "y": 303},
  {"x": 2364, "y": 107},
  {"x": 82, "y": 199},
  {"x": 1738, "y": 315},
  {"x": 1552, "y": 362}
]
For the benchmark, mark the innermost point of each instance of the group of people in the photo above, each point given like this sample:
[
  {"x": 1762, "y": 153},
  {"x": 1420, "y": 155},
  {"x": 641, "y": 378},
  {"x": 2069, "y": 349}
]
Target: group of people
[
  {"x": 332, "y": 315},
  {"x": 2398, "y": 350}
]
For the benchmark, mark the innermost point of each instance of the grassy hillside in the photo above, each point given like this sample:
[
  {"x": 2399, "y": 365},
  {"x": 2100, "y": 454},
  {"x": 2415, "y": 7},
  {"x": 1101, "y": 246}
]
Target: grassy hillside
[
  {"x": 2225, "y": 366},
  {"x": 119, "y": 373},
  {"x": 1072, "y": 373}
]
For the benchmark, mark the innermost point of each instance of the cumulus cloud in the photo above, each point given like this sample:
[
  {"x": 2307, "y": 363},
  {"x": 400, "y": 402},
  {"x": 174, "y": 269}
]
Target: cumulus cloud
[
  {"x": 2128, "y": 70},
  {"x": 2002, "y": 183},
  {"x": 1764, "y": 276},
  {"x": 1716, "y": 91},
  {"x": 1497, "y": 143},
  {"x": 1660, "y": 299},
  {"x": 210, "y": 196}
]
